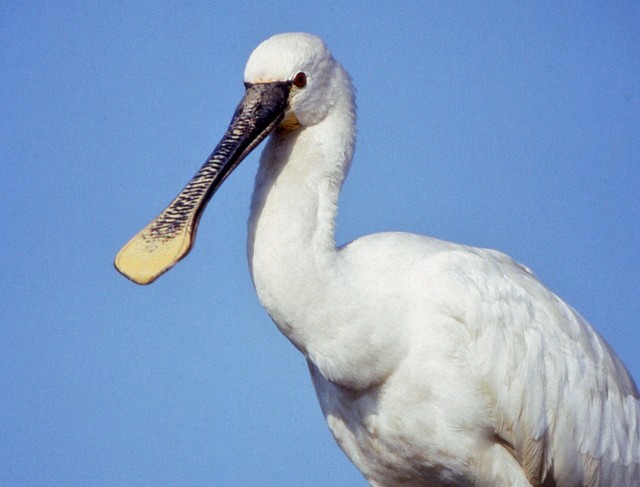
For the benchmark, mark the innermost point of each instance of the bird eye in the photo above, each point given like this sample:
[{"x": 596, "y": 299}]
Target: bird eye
[{"x": 300, "y": 80}]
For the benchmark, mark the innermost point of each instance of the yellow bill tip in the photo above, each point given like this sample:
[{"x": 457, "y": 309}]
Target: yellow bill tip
[{"x": 143, "y": 259}]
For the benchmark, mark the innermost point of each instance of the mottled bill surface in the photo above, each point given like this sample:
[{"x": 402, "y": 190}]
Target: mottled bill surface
[{"x": 170, "y": 236}]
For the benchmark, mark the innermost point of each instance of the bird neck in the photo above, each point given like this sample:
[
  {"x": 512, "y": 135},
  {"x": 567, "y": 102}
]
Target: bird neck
[{"x": 291, "y": 243}]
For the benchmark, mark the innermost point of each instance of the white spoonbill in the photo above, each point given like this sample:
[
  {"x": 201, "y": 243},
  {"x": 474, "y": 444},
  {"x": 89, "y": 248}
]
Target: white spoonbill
[{"x": 434, "y": 363}]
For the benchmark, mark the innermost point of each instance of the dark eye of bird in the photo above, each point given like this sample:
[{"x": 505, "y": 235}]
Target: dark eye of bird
[{"x": 300, "y": 80}]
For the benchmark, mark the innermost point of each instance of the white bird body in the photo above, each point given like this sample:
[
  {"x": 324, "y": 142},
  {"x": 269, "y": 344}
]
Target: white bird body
[{"x": 434, "y": 363}]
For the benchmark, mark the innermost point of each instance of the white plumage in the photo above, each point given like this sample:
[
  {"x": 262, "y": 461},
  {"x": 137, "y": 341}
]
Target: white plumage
[{"x": 434, "y": 363}]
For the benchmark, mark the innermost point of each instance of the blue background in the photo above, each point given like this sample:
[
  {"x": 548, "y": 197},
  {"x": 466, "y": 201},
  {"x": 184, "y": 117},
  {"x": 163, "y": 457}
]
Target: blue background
[{"x": 511, "y": 125}]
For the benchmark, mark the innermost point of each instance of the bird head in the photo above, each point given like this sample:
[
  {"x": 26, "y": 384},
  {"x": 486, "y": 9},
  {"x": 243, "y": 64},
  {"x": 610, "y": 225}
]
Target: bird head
[
  {"x": 292, "y": 82},
  {"x": 305, "y": 65}
]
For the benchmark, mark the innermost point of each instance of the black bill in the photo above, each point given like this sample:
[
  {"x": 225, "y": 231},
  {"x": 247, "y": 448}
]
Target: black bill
[{"x": 170, "y": 236}]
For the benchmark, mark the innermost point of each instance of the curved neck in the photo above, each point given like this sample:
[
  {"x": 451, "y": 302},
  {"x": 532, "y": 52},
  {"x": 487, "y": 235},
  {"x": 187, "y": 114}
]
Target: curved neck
[{"x": 291, "y": 246}]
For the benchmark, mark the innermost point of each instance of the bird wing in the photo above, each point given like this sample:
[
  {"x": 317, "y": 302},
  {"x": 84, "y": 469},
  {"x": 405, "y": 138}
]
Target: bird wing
[{"x": 563, "y": 403}]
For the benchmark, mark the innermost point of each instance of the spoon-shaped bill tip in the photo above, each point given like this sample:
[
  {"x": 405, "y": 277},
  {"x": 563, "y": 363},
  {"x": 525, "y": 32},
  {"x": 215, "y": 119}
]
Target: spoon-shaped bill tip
[{"x": 170, "y": 236}]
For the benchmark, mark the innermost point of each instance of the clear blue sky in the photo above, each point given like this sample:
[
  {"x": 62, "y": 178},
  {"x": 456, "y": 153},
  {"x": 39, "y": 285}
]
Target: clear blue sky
[{"x": 511, "y": 125}]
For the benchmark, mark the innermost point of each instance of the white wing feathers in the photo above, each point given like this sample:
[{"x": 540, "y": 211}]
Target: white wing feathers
[{"x": 555, "y": 386}]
